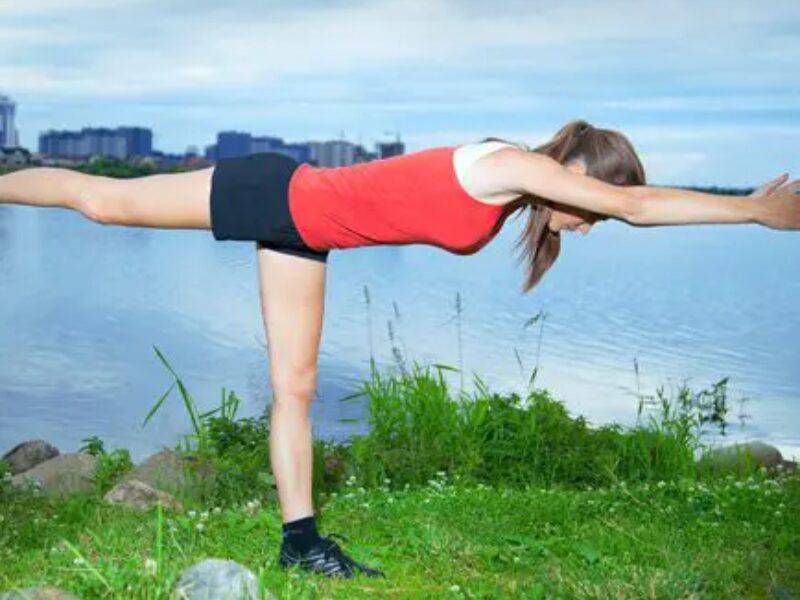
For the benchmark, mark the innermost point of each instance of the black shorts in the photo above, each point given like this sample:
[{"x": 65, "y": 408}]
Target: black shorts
[{"x": 250, "y": 202}]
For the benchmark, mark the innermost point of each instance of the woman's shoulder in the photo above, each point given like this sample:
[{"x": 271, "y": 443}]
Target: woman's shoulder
[{"x": 466, "y": 154}]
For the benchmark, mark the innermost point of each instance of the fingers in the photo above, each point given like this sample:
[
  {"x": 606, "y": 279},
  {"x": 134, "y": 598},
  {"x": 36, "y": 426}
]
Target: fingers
[
  {"x": 776, "y": 183},
  {"x": 770, "y": 187},
  {"x": 792, "y": 186}
]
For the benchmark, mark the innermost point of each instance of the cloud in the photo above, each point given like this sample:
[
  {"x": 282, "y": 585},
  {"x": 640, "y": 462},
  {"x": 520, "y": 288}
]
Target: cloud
[{"x": 426, "y": 67}]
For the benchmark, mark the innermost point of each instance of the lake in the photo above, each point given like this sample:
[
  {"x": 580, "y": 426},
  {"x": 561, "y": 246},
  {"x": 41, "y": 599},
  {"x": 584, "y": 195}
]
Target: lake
[{"x": 83, "y": 305}]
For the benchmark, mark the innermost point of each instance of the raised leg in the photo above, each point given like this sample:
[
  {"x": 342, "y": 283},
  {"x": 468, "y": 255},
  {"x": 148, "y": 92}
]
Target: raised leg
[
  {"x": 292, "y": 300},
  {"x": 168, "y": 200}
]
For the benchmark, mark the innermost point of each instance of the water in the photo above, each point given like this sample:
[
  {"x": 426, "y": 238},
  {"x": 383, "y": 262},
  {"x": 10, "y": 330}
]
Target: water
[{"x": 83, "y": 305}]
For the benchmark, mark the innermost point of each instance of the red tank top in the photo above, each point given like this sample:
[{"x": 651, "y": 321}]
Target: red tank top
[{"x": 407, "y": 199}]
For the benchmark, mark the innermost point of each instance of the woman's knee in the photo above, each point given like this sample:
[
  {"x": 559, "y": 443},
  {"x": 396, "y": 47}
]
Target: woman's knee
[
  {"x": 100, "y": 203},
  {"x": 294, "y": 385}
]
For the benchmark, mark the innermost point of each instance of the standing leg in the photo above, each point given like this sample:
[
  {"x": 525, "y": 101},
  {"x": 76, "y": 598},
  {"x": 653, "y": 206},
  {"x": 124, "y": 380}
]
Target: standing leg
[{"x": 292, "y": 299}]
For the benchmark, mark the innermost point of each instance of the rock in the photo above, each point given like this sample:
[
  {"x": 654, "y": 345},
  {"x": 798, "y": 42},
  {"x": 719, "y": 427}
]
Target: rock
[
  {"x": 28, "y": 454},
  {"x": 218, "y": 579},
  {"x": 141, "y": 496},
  {"x": 62, "y": 474},
  {"x": 756, "y": 453},
  {"x": 165, "y": 470},
  {"x": 38, "y": 593}
]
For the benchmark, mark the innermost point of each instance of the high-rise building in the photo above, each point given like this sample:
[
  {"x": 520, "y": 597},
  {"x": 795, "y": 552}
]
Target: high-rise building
[
  {"x": 231, "y": 144},
  {"x": 8, "y": 130},
  {"x": 121, "y": 143},
  {"x": 333, "y": 153},
  {"x": 138, "y": 140},
  {"x": 389, "y": 149}
]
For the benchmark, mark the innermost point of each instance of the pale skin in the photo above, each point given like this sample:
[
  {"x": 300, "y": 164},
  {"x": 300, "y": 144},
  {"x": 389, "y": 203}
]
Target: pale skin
[{"x": 292, "y": 288}]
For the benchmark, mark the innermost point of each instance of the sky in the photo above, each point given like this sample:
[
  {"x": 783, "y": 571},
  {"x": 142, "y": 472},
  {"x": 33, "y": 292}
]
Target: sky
[{"x": 708, "y": 92}]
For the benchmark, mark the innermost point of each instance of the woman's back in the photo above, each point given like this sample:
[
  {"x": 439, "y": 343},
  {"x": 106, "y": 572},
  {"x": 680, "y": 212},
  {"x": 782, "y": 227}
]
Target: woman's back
[{"x": 413, "y": 198}]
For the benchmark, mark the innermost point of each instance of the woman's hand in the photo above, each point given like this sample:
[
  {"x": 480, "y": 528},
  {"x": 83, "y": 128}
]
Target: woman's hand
[{"x": 780, "y": 207}]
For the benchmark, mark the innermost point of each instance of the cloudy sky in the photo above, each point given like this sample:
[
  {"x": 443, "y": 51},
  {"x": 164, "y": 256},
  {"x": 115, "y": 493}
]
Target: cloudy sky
[{"x": 708, "y": 92}]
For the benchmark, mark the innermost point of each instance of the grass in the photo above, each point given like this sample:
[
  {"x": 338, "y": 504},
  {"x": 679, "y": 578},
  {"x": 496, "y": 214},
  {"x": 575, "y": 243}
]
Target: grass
[
  {"x": 681, "y": 539},
  {"x": 483, "y": 496}
]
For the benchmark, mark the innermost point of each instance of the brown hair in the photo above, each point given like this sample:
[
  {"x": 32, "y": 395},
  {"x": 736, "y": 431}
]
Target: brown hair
[{"x": 607, "y": 154}]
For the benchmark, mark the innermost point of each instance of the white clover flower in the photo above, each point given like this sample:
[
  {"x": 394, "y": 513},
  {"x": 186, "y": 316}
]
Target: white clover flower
[
  {"x": 191, "y": 514},
  {"x": 661, "y": 484},
  {"x": 387, "y": 481},
  {"x": 79, "y": 561},
  {"x": 150, "y": 566},
  {"x": 455, "y": 588},
  {"x": 216, "y": 510},
  {"x": 200, "y": 527},
  {"x": 204, "y": 515}
]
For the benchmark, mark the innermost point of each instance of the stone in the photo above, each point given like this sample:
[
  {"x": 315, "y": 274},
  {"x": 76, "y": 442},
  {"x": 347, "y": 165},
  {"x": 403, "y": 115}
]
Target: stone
[
  {"x": 757, "y": 453},
  {"x": 28, "y": 454},
  {"x": 218, "y": 579},
  {"x": 165, "y": 470},
  {"x": 38, "y": 593},
  {"x": 139, "y": 495},
  {"x": 62, "y": 474}
]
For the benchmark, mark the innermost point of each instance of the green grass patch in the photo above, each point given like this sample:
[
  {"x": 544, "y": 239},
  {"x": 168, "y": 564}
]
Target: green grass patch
[
  {"x": 476, "y": 495},
  {"x": 729, "y": 539}
]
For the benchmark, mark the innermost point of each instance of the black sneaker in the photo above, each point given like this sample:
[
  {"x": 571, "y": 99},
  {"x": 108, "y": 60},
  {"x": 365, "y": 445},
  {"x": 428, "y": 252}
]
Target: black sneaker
[{"x": 325, "y": 557}]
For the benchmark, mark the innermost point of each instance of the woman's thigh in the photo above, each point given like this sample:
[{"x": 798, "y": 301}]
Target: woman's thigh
[
  {"x": 166, "y": 200},
  {"x": 292, "y": 301}
]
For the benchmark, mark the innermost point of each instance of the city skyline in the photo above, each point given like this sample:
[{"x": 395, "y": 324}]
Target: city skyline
[
  {"x": 695, "y": 86},
  {"x": 125, "y": 142}
]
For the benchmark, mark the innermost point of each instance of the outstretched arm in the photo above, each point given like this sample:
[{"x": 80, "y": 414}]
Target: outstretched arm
[{"x": 521, "y": 172}]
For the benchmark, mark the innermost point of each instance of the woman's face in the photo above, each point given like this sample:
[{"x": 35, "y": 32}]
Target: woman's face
[{"x": 570, "y": 218}]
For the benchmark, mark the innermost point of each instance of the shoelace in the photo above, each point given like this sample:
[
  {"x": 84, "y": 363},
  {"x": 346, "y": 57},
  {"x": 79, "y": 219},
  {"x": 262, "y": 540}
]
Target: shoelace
[{"x": 335, "y": 551}]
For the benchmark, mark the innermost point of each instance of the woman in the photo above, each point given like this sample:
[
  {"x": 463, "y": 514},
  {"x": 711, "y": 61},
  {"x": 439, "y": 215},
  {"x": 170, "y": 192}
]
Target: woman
[{"x": 456, "y": 198}]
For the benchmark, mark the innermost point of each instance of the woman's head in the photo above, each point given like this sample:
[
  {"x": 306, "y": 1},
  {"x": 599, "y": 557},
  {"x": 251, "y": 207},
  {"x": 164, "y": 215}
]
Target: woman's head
[{"x": 601, "y": 153}]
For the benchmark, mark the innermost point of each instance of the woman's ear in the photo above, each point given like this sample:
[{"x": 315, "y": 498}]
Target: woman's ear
[{"x": 576, "y": 166}]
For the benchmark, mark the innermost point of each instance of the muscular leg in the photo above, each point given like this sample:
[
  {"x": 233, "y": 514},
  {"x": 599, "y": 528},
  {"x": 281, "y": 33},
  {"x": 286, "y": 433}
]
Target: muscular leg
[
  {"x": 168, "y": 200},
  {"x": 292, "y": 300}
]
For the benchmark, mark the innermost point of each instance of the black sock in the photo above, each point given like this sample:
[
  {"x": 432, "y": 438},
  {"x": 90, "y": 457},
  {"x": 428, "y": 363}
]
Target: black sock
[{"x": 301, "y": 534}]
